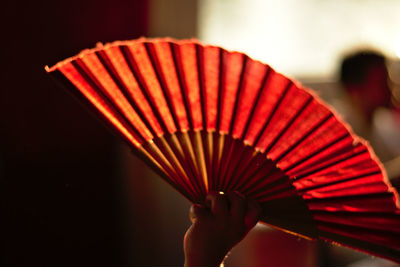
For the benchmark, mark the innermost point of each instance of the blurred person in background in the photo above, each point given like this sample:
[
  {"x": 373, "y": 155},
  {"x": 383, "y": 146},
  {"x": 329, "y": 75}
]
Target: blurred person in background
[{"x": 369, "y": 108}]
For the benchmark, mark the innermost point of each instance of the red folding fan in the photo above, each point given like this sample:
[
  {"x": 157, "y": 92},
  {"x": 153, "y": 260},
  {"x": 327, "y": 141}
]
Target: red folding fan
[{"x": 207, "y": 119}]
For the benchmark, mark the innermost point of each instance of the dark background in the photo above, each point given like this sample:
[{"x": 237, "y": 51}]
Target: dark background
[{"x": 59, "y": 177}]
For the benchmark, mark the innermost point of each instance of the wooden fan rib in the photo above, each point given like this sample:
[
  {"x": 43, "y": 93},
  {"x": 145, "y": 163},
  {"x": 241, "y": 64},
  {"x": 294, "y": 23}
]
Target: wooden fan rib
[
  {"x": 186, "y": 64},
  {"x": 235, "y": 159},
  {"x": 146, "y": 78},
  {"x": 173, "y": 177},
  {"x": 200, "y": 159},
  {"x": 256, "y": 162},
  {"x": 142, "y": 133},
  {"x": 210, "y": 66},
  {"x": 209, "y": 110},
  {"x": 153, "y": 56},
  {"x": 227, "y": 152},
  {"x": 174, "y": 91},
  {"x": 243, "y": 161},
  {"x": 103, "y": 82},
  {"x": 274, "y": 189},
  {"x": 248, "y": 91},
  {"x": 189, "y": 148},
  {"x": 201, "y": 83},
  {"x": 69, "y": 77},
  {"x": 152, "y": 125},
  {"x": 208, "y": 141},
  {"x": 217, "y": 163},
  {"x": 185, "y": 159},
  {"x": 264, "y": 177},
  {"x": 183, "y": 178}
]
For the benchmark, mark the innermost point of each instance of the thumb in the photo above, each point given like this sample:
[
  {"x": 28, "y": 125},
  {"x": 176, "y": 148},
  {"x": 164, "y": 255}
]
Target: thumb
[{"x": 197, "y": 211}]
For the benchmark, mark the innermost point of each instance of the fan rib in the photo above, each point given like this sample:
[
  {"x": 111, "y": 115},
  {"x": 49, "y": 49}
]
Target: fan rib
[
  {"x": 238, "y": 93},
  {"x": 233, "y": 67},
  {"x": 144, "y": 71},
  {"x": 304, "y": 137},
  {"x": 124, "y": 90},
  {"x": 271, "y": 115},
  {"x": 176, "y": 58},
  {"x": 220, "y": 86},
  {"x": 185, "y": 56},
  {"x": 154, "y": 151},
  {"x": 330, "y": 163},
  {"x": 157, "y": 69},
  {"x": 315, "y": 153},
  {"x": 190, "y": 153},
  {"x": 66, "y": 76},
  {"x": 317, "y": 186},
  {"x": 92, "y": 81},
  {"x": 174, "y": 92},
  {"x": 173, "y": 159},
  {"x": 257, "y": 100},
  {"x": 360, "y": 198},
  {"x": 243, "y": 160},
  {"x": 200, "y": 72},
  {"x": 145, "y": 91},
  {"x": 185, "y": 158},
  {"x": 255, "y": 164},
  {"x": 281, "y": 133},
  {"x": 200, "y": 159}
]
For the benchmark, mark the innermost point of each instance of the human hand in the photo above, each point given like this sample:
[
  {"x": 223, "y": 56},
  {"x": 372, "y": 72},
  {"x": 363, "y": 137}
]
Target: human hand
[{"x": 217, "y": 227}]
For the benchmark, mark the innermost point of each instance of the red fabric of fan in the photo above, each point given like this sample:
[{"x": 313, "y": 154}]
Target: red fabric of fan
[{"x": 207, "y": 119}]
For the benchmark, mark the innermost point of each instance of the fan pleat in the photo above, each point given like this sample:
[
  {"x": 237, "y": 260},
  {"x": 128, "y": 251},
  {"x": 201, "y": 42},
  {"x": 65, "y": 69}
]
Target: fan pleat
[
  {"x": 232, "y": 69},
  {"x": 308, "y": 122},
  {"x": 207, "y": 119},
  {"x": 376, "y": 221},
  {"x": 372, "y": 236},
  {"x": 114, "y": 63},
  {"x": 381, "y": 202},
  {"x": 252, "y": 77},
  {"x": 95, "y": 92},
  {"x": 167, "y": 73}
]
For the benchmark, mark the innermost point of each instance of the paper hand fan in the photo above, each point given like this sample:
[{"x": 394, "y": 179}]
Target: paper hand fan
[{"x": 207, "y": 119}]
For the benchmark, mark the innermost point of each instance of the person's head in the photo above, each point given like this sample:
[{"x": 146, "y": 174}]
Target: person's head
[{"x": 364, "y": 76}]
